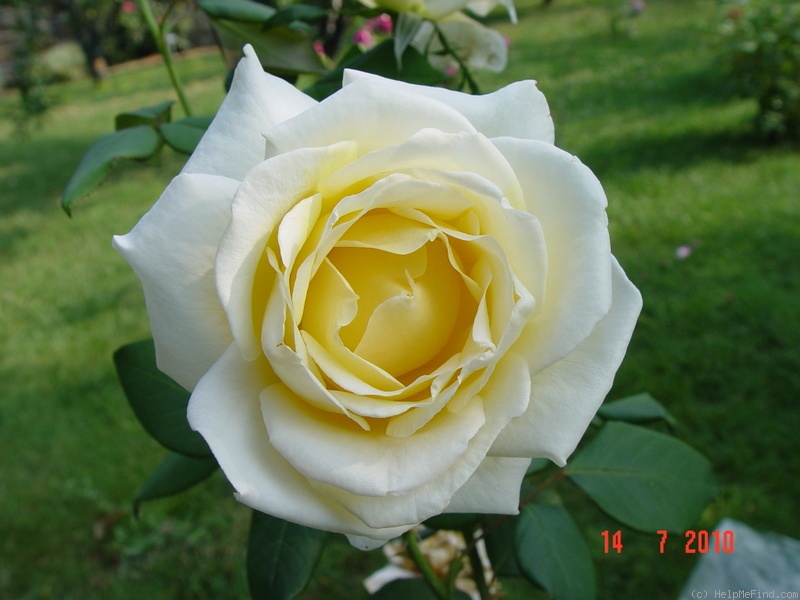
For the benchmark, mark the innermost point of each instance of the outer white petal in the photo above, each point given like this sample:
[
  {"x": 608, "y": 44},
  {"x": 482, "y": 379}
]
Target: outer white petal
[
  {"x": 566, "y": 396},
  {"x": 172, "y": 251},
  {"x": 226, "y": 410},
  {"x": 504, "y": 397},
  {"x": 570, "y": 204},
  {"x": 518, "y": 110},
  {"x": 373, "y": 116},
  {"x": 493, "y": 488},
  {"x": 364, "y": 463},
  {"x": 257, "y": 100}
]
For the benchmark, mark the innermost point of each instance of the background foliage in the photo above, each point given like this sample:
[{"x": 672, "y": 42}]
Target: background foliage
[
  {"x": 764, "y": 61},
  {"x": 705, "y": 222}
]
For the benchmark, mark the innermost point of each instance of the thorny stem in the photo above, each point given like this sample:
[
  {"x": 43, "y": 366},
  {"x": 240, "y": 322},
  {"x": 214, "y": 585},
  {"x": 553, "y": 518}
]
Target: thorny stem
[
  {"x": 424, "y": 567},
  {"x": 158, "y": 34}
]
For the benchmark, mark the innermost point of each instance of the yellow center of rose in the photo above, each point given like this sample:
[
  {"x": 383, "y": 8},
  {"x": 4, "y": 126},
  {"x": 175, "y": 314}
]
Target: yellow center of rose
[{"x": 395, "y": 308}]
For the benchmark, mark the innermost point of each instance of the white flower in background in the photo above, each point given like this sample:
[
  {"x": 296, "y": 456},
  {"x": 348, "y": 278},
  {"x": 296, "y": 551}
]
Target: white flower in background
[{"x": 478, "y": 47}]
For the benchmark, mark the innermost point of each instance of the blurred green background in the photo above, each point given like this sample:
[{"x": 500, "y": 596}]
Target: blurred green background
[{"x": 705, "y": 218}]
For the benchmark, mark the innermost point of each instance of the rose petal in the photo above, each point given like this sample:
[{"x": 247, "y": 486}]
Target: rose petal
[
  {"x": 517, "y": 110},
  {"x": 270, "y": 190},
  {"x": 172, "y": 250},
  {"x": 263, "y": 479},
  {"x": 566, "y": 396},
  {"x": 484, "y": 7},
  {"x": 333, "y": 451},
  {"x": 493, "y": 488},
  {"x": 403, "y": 113},
  {"x": 233, "y": 143},
  {"x": 569, "y": 203},
  {"x": 504, "y": 398},
  {"x": 429, "y": 151},
  {"x": 436, "y": 9}
]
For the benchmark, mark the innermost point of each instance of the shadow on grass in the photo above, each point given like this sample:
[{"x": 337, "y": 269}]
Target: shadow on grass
[
  {"x": 37, "y": 169},
  {"x": 673, "y": 152}
]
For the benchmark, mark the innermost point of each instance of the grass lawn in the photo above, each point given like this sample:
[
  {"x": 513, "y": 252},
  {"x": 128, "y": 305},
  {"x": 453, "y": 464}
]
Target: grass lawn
[{"x": 718, "y": 341}]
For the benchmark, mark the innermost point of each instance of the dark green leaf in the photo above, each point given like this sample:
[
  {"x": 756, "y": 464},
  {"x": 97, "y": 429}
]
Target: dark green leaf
[
  {"x": 552, "y": 552},
  {"x": 538, "y": 464},
  {"x": 237, "y": 10},
  {"x": 296, "y": 12},
  {"x": 138, "y": 142},
  {"x": 279, "y": 49},
  {"x": 645, "y": 479},
  {"x": 636, "y": 409},
  {"x": 280, "y": 557},
  {"x": 158, "y": 402},
  {"x": 499, "y": 540},
  {"x": 184, "y": 135},
  {"x": 149, "y": 115},
  {"x": 174, "y": 475},
  {"x": 380, "y": 61},
  {"x": 519, "y": 588},
  {"x": 453, "y": 521},
  {"x": 403, "y": 589}
]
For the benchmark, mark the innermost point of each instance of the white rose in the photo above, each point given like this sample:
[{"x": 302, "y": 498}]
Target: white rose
[
  {"x": 385, "y": 303},
  {"x": 437, "y": 9},
  {"x": 478, "y": 47}
]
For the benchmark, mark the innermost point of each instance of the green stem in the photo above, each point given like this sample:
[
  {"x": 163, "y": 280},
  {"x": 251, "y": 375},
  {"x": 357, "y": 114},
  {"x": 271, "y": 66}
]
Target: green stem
[
  {"x": 477, "y": 572},
  {"x": 473, "y": 85},
  {"x": 158, "y": 36},
  {"x": 424, "y": 567}
]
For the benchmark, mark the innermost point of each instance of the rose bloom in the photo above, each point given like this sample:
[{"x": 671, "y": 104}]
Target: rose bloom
[
  {"x": 384, "y": 304},
  {"x": 477, "y": 46},
  {"x": 437, "y": 9}
]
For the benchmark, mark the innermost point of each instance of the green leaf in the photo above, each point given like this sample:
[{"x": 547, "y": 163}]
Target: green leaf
[
  {"x": 403, "y": 589},
  {"x": 538, "y": 464},
  {"x": 380, "y": 61},
  {"x": 184, "y": 135},
  {"x": 645, "y": 479},
  {"x": 636, "y": 409},
  {"x": 237, "y": 10},
  {"x": 280, "y": 557},
  {"x": 296, "y": 12},
  {"x": 138, "y": 142},
  {"x": 158, "y": 402},
  {"x": 552, "y": 552},
  {"x": 408, "y": 25},
  {"x": 418, "y": 589},
  {"x": 279, "y": 49},
  {"x": 453, "y": 521},
  {"x": 174, "y": 475},
  {"x": 499, "y": 539},
  {"x": 149, "y": 115}
]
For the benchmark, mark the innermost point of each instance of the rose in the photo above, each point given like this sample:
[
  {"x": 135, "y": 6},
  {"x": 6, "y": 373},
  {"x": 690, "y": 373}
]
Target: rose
[
  {"x": 385, "y": 303},
  {"x": 437, "y": 9},
  {"x": 423, "y": 24},
  {"x": 476, "y": 46}
]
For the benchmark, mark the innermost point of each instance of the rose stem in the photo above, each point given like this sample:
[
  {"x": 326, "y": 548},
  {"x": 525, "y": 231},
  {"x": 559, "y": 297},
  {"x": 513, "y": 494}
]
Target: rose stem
[
  {"x": 424, "y": 567},
  {"x": 158, "y": 36}
]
